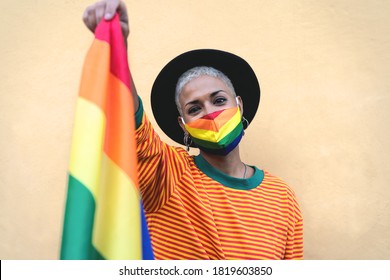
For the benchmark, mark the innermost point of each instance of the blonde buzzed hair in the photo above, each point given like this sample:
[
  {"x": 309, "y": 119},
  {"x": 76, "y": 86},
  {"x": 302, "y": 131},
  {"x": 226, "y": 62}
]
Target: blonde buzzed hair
[{"x": 197, "y": 72}]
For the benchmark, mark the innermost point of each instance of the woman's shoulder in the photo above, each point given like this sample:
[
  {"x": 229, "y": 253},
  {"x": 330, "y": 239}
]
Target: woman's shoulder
[{"x": 275, "y": 182}]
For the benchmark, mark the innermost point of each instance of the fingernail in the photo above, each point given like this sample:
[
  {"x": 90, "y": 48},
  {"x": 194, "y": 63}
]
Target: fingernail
[{"x": 107, "y": 16}]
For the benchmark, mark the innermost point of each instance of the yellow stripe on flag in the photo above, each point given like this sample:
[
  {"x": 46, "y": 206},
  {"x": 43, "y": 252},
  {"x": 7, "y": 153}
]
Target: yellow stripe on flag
[
  {"x": 86, "y": 152},
  {"x": 117, "y": 211}
]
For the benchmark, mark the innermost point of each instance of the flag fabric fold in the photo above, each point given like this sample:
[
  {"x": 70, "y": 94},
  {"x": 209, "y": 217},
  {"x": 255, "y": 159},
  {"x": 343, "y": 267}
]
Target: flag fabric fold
[{"x": 104, "y": 217}]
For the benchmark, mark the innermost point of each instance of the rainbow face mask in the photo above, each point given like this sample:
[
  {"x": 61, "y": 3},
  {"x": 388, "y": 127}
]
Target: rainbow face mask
[{"x": 217, "y": 133}]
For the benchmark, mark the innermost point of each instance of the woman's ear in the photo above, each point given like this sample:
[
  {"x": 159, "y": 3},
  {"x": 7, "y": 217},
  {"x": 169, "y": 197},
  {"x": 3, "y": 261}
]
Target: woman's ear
[
  {"x": 239, "y": 101},
  {"x": 181, "y": 123}
]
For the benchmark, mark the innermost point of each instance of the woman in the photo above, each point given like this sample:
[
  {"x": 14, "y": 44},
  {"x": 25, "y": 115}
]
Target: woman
[{"x": 210, "y": 206}]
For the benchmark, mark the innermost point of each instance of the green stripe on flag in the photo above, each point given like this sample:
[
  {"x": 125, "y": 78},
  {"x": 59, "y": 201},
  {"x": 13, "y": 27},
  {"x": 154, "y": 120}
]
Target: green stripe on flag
[{"x": 78, "y": 223}]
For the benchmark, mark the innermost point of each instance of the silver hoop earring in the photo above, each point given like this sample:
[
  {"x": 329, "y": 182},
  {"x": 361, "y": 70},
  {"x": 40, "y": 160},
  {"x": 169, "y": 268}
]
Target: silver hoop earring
[
  {"x": 187, "y": 141},
  {"x": 245, "y": 122}
]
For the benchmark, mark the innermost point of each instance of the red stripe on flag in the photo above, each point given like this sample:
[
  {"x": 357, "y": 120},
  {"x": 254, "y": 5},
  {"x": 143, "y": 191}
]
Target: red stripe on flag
[{"x": 119, "y": 65}]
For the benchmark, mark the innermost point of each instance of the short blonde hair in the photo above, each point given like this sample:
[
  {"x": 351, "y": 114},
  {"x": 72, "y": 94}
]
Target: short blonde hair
[{"x": 197, "y": 72}]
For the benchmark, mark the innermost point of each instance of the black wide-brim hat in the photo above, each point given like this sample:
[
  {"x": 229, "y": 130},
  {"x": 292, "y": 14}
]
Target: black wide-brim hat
[{"x": 234, "y": 67}]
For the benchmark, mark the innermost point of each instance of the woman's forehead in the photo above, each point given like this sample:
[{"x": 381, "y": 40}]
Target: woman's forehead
[{"x": 203, "y": 85}]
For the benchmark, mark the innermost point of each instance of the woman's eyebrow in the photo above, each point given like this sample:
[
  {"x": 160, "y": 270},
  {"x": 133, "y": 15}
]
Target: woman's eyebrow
[{"x": 216, "y": 92}]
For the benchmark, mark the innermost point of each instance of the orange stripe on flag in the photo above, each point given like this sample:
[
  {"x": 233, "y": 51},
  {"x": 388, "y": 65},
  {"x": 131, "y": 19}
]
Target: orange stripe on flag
[
  {"x": 97, "y": 64},
  {"x": 119, "y": 143}
]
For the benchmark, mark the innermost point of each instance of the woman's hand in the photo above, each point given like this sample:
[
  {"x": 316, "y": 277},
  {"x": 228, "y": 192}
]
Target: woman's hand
[{"x": 93, "y": 14}]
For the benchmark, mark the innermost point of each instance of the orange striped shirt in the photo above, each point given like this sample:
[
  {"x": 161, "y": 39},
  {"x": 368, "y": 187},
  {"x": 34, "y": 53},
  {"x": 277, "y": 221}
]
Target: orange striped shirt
[{"x": 195, "y": 211}]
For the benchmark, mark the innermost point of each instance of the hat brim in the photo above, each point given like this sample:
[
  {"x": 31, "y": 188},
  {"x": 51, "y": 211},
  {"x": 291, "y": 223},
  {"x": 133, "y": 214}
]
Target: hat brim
[{"x": 234, "y": 67}]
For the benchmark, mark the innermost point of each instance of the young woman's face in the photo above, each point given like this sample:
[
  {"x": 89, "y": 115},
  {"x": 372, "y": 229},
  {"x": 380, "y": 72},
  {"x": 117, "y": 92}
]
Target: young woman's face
[{"x": 205, "y": 95}]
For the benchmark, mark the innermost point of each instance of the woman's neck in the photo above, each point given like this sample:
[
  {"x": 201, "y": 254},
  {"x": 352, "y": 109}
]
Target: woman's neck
[{"x": 230, "y": 164}]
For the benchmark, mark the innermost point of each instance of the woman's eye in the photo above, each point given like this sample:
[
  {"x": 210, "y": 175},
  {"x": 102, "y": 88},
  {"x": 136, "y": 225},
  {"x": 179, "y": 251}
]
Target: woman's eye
[
  {"x": 193, "y": 110},
  {"x": 219, "y": 100}
]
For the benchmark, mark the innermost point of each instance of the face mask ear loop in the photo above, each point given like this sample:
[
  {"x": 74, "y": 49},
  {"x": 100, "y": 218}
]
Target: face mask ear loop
[
  {"x": 238, "y": 103},
  {"x": 245, "y": 122},
  {"x": 187, "y": 139}
]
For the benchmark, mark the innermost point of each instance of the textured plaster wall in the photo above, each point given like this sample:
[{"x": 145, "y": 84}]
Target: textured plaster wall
[{"x": 322, "y": 125}]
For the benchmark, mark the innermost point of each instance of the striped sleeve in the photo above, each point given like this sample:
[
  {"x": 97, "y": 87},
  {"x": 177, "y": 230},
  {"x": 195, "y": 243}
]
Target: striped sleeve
[
  {"x": 160, "y": 166},
  {"x": 294, "y": 248},
  {"x": 294, "y": 244}
]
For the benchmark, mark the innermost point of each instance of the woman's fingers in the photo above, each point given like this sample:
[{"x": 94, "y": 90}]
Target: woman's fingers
[{"x": 93, "y": 14}]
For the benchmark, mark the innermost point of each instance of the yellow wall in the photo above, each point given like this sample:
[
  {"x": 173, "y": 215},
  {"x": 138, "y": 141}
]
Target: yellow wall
[{"x": 322, "y": 124}]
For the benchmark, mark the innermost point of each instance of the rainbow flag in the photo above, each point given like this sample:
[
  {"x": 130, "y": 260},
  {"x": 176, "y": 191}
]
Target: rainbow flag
[{"x": 104, "y": 216}]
